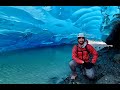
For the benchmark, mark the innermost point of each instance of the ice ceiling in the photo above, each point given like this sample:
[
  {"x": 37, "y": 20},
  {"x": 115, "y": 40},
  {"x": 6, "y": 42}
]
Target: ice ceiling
[{"x": 34, "y": 26}]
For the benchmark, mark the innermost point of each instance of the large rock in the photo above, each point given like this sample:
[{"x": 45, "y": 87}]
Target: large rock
[
  {"x": 117, "y": 58},
  {"x": 107, "y": 79},
  {"x": 110, "y": 33}
]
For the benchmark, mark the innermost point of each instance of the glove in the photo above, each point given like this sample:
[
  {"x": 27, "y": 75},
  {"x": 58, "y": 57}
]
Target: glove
[{"x": 88, "y": 65}]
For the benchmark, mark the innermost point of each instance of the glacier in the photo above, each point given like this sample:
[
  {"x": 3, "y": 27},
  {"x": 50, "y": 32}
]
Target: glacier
[
  {"x": 40, "y": 41},
  {"x": 35, "y": 26}
]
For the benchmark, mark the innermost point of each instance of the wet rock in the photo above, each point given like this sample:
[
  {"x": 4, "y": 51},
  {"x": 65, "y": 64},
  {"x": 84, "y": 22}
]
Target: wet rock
[
  {"x": 107, "y": 79},
  {"x": 117, "y": 58}
]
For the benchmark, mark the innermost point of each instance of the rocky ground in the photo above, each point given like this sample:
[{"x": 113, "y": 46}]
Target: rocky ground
[{"x": 107, "y": 69}]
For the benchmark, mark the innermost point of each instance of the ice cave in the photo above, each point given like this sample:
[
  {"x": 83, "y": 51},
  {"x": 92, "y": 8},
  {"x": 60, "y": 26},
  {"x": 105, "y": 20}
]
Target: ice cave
[{"x": 36, "y": 41}]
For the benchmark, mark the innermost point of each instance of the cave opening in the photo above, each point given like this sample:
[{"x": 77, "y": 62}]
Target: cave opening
[{"x": 114, "y": 37}]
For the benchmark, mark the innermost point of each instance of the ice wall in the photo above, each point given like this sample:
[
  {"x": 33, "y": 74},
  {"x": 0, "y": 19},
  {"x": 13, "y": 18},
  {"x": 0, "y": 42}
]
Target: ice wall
[{"x": 34, "y": 26}]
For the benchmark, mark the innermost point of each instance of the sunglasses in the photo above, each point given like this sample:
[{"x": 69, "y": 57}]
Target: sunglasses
[{"x": 81, "y": 37}]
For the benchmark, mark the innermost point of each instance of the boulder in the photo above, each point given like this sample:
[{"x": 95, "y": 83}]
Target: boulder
[
  {"x": 116, "y": 58},
  {"x": 107, "y": 79}
]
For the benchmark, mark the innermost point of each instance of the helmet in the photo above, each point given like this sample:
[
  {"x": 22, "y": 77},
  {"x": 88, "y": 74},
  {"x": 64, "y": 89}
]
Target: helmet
[{"x": 81, "y": 35}]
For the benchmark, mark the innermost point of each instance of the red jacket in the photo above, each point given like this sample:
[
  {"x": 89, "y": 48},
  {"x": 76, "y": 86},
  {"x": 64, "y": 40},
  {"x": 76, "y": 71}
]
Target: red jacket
[{"x": 81, "y": 54}]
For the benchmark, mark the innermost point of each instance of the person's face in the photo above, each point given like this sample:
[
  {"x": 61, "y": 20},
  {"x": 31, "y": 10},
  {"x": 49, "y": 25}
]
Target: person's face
[{"x": 81, "y": 40}]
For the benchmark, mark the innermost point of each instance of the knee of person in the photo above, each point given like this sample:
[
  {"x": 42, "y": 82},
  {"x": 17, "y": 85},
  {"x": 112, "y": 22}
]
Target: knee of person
[
  {"x": 92, "y": 76},
  {"x": 71, "y": 63}
]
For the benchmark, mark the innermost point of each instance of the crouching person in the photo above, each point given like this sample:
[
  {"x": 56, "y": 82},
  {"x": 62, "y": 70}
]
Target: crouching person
[{"x": 81, "y": 56}]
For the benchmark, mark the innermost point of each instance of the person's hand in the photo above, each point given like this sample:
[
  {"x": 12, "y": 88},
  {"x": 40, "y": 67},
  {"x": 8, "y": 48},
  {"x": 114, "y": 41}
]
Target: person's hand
[
  {"x": 83, "y": 62},
  {"x": 88, "y": 65}
]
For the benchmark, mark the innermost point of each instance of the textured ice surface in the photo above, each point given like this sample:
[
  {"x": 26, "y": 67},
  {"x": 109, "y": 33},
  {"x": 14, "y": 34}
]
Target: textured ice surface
[{"x": 35, "y": 26}]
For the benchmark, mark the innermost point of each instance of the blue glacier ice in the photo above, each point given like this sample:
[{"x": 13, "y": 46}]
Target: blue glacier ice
[
  {"x": 35, "y": 26},
  {"x": 24, "y": 27}
]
